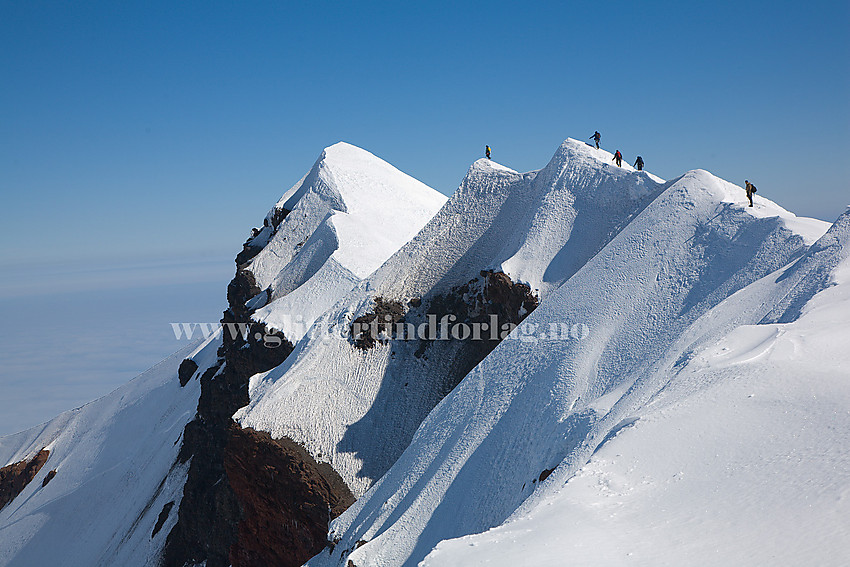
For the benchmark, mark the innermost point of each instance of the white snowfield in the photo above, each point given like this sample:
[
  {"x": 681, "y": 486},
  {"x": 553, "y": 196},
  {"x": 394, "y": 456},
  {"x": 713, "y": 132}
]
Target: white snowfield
[
  {"x": 739, "y": 458},
  {"x": 349, "y": 214},
  {"x": 358, "y": 410},
  {"x": 712, "y": 472},
  {"x": 116, "y": 467},
  {"x": 116, "y": 458},
  {"x": 704, "y": 419}
]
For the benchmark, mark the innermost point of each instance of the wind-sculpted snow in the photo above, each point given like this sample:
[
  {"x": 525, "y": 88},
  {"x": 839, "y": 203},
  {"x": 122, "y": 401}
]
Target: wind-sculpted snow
[
  {"x": 651, "y": 297},
  {"x": 812, "y": 273},
  {"x": 345, "y": 218},
  {"x": 739, "y": 458},
  {"x": 359, "y": 410},
  {"x": 521, "y": 223},
  {"x": 676, "y": 392},
  {"x": 116, "y": 470}
]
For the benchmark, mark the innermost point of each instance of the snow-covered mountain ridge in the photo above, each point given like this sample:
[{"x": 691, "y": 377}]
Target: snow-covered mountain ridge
[{"x": 698, "y": 415}]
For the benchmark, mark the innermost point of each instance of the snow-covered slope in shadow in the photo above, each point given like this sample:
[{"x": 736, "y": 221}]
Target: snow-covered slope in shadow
[
  {"x": 358, "y": 409},
  {"x": 116, "y": 473},
  {"x": 538, "y": 408},
  {"x": 118, "y": 476},
  {"x": 739, "y": 459}
]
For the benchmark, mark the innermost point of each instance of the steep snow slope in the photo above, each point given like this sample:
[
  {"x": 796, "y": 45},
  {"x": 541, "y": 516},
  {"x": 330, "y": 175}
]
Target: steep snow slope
[
  {"x": 647, "y": 298},
  {"x": 116, "y": 458},
  {"x": 359, "y": 409},
  {"x": 522, "y": 223},
  {"x": 343, "y": 219},
  {"x": 664, "y": 276},
  {"x": 116, "y": 468},
  {"x": 741, "y": 460}
]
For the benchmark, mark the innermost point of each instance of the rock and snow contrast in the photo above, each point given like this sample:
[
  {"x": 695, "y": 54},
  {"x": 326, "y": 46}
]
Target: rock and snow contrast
[
  {"x": 663, "y": 378},
  {"x": 111, "y": 471},
  {"x": 343, "y": 220}
]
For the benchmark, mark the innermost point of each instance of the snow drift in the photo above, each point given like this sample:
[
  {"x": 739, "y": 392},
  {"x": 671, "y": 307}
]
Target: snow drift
[
  {"x": 340, "y": 222},
  {"x": 676, "y": 390},
  {"x": 358, "y": 410},
  {"x": 738, "y": 457},
  {"x": 535, "y": 410}
]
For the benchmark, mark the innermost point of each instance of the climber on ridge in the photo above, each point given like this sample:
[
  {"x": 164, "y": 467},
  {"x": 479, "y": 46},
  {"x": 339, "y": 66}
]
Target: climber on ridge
[
  {"x": 618, "y": 158},
  {"x": 750, "y": 190},
  {"x": 487, "y": 151},
  {"x": 596, "y": 137},
  {"x": 639, "y": 163}
]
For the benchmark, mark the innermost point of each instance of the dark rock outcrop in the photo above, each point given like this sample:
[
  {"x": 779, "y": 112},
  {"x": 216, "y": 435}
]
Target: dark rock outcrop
[
  {"x": 253, "y": 245},
  {"x": 367, "y": 329},
  {"x": 163, "y": 515},
  {"x": 241, "y": 288},
  {"x": 487, "y": 307},
  {"x": 248, "y": 252},
  {"x": 248, "y": 499},
  {"x": 492, "y": 303},
  {"x": 187, "y": 369},
  {"x": 48, "y": 477},
  {"x": 544, "y": 474},
  {"x": 288, "y": 499},
  {"x": 15, "y": 477},
  {"x": 209, "y": 512},
  {"x": 278, "y": 214}
]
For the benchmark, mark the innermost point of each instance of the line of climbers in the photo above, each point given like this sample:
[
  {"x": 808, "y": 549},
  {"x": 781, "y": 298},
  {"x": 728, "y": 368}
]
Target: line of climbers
[{"x": 618, "y": 159}]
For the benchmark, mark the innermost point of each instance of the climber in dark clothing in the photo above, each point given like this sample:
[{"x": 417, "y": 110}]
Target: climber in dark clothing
[
  {"x": 596, "y": 137},
  {"x": 618, "y": 159},
  {"x": 639, "y": 163},
  {"x": 487, "y": 151},
  {"x": 750, "y": 190}
]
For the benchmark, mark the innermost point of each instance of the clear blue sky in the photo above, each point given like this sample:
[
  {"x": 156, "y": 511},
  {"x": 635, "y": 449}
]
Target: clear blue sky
[{"x": 168, "y": 129}]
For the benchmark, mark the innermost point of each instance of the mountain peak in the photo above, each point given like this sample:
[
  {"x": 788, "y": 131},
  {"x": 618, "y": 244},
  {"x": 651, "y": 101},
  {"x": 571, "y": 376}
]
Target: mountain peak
[{"x": 664, "y": 344}]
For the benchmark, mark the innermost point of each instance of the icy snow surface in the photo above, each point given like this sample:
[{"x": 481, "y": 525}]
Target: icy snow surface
[
  {"x": 349, "y": 214},
  {"x": 703, "y": 419},
  {"x": 740, "y": 459},
  {"x": 358, "y": 410},
  {"x": 677, "y": 277}
]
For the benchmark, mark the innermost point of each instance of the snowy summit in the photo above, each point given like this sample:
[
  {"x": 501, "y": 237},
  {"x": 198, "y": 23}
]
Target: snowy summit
[{"x": 580, "y": 364}]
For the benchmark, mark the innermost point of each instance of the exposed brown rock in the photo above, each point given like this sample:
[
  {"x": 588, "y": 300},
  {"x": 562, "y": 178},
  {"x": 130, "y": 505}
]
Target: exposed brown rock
[
  {"x": 366, "y": 328},
  {"x": 248, "y": 253},
  {"x": 286, "y": 497},
  {"x": 48, "y": 477},
  {"x": 544, "y": 474},
  {"x": 477, "y": 301},
  {"x": 224, "y": 517},
  {"x": 492, "y": 297},
  {"x": 15, "y": 477},
  {"x": 251, "y": 248},
  {"x": 241, "y": 288},
  {"x": 277, "y": 217}
]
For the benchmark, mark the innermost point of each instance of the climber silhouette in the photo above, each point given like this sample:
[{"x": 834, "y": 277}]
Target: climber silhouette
[{"x": 618, "y": 159}]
